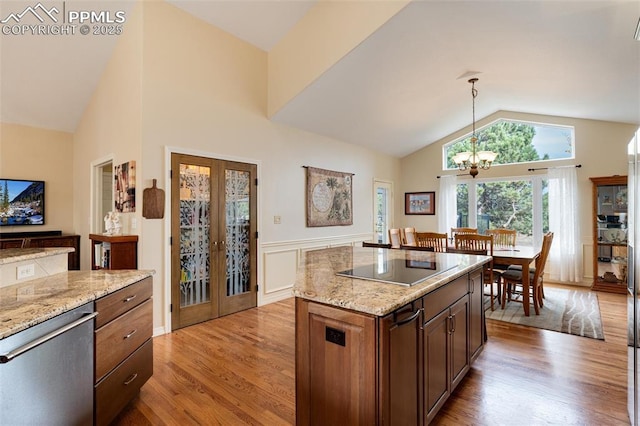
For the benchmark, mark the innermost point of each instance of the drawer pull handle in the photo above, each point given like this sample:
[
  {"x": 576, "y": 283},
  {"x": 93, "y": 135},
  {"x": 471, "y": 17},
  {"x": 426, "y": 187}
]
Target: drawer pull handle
[
  {"x": 131, "y": 379},
  {"x": 130, "y": 334},
  {"x": 130, "y": 298}
]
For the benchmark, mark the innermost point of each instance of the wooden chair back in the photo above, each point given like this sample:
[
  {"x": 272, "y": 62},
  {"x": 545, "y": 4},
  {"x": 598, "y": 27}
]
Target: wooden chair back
[
  {"x": 503, "y": 238},
  {"x": 462, "y": 231},
  {"x": 395, "y": 237},
  {"x": 479, "y": 244},
  {"x": 474, "y": 242},
  {"x": 438, "y": 241},
  {"x": 409, "y": 237},
  {"x": 544, "y": 254}
]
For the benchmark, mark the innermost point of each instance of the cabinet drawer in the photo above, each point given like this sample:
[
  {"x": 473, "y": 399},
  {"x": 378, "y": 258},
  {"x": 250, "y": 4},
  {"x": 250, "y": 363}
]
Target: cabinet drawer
[
  {"x": 122, "y": 384},
  {"x": 115, "y": 304},
  {"x": 442, "y": 298},
  {"x": 118, "y": 339}
]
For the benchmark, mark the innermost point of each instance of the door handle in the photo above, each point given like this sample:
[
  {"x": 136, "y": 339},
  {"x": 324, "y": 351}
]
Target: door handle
[
  {"x": 131, "y": 379},
  {"x": 130, "y": 334},
  {"x": 39, "y": 341}
]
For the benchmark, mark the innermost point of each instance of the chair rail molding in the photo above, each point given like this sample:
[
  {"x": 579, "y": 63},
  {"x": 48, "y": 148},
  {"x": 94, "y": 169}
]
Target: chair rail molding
[{"x": 280, "y": 262}]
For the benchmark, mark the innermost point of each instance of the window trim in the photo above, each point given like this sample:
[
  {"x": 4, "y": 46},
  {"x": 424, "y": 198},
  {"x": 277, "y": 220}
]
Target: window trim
[{"x": 511, "y": 120}]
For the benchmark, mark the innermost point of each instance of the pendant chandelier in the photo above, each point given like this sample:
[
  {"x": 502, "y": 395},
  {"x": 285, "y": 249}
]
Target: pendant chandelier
[{"x": 473, "y": 160}]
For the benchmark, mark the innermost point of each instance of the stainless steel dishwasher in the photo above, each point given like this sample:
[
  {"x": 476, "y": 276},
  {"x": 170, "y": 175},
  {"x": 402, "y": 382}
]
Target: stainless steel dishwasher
[{"x": 46, "y": 372}]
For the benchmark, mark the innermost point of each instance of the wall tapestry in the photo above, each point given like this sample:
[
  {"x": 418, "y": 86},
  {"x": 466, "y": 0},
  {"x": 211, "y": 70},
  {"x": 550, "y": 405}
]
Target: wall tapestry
[
  {"x": 124, "y": 187},
  {"x": 329, "y": 198}
]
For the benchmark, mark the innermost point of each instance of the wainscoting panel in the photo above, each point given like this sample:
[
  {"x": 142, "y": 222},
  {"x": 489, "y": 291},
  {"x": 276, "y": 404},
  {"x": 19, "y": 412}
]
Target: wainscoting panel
[{"x": 280, "y": 263}]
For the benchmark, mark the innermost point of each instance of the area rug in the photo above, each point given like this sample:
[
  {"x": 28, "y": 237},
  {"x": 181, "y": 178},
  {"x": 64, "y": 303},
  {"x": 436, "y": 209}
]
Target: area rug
[{"x": 567, "y": 311}]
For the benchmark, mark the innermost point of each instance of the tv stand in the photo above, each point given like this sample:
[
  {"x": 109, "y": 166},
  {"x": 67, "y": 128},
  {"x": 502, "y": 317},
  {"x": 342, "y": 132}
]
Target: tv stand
[{"x": 43, "y": 239}]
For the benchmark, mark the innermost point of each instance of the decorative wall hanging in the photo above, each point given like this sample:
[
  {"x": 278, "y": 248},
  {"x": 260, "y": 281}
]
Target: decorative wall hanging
[
  {"x": 420, "y": 202},
  {"x": 329, "y": 198},
  {"x": 153, "y": 202},
  {"x": 124, "y": 187}
]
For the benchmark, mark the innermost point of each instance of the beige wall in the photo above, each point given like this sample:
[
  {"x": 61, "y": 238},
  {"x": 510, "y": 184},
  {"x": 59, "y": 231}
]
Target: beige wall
[
  {"x": 600, "y": 146},
  {"x": 110, "y": 128},
  {"x": 40, "y": 154}
]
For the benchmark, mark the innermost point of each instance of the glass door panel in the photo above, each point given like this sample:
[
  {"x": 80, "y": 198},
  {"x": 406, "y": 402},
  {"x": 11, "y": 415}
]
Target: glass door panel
[
  {"x": 194, "y": 258},
  {"x": 382, "y": 213},
  {"x": 237, "y": 185},
  {"x": 195, "y": 227}
]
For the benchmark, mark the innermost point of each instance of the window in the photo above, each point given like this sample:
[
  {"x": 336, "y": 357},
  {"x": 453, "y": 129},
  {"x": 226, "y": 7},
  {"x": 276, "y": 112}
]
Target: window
[
  {"x": 517, "y": 142},
  {"x": 515, "y": 203}
]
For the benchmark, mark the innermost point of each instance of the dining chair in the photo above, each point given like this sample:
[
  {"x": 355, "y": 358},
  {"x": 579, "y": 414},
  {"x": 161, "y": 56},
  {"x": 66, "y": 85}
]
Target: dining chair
[
  {"x": 409, "y": 236},
  {"x": 480, "y": 244},
  {"x": 502, "y": 238},
  {"x": 438, "y": 241},
  {"x": 395, "y": 237},
  {"x": 462, "y": 231},
  {"x": 512, "y": 278}
]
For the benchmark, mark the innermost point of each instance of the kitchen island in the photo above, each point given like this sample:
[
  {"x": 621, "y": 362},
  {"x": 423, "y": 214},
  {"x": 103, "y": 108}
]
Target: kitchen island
[
  {"x": 75, "y": 346},
  {"x": 383, "y": 336}
]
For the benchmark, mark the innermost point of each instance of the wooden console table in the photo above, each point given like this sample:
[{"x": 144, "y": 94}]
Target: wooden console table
[{"x": 115, "y": 251}]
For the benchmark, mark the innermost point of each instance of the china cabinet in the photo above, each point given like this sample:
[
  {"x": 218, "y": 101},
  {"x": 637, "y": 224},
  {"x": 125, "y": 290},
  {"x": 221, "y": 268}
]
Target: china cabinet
[{"x": 610, "y": 233}]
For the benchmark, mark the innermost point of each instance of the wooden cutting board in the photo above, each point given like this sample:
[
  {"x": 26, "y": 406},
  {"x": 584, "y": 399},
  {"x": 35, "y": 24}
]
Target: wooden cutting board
[{"x": 153, "y": 202}]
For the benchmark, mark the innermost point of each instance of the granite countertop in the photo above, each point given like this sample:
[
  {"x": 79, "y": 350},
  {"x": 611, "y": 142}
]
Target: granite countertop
[
  {"x": 13, "y": 255},
  {"x": 317, "y": 281},
  {"x": 32, "y": 302}
]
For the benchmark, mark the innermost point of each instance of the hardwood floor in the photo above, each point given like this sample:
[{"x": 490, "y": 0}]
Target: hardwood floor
[{"x": 239, "y": 370}]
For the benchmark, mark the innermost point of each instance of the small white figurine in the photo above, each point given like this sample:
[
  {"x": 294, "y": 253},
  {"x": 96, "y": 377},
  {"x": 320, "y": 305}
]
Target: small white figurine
[
  {"x": 108, "y": 223},
  {"x": 112, "y": 224}
]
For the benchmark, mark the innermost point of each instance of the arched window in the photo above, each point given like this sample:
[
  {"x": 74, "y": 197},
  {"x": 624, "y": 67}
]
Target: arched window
[{"x": 516, "y": 142}]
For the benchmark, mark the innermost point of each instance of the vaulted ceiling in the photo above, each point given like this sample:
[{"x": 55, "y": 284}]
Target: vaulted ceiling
[{"x": 398, "y": 90}]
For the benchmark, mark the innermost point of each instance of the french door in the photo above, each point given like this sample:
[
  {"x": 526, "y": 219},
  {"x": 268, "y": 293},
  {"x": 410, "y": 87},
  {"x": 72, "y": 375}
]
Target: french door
[
  {"x": 214, "y": 238},
  {"x": 382, "y": 210}
]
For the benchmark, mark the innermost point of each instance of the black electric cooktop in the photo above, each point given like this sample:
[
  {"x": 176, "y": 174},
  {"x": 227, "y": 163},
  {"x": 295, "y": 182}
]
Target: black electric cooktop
[{"x": 404, "y": 272}]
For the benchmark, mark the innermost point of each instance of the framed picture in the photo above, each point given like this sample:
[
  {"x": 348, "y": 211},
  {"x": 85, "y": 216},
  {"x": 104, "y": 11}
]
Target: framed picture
[{"x": 420, "y": 202}]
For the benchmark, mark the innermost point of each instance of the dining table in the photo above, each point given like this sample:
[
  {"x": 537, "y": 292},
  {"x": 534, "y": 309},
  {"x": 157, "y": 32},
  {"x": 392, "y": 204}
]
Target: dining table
[{"x": 518, "y": 255}]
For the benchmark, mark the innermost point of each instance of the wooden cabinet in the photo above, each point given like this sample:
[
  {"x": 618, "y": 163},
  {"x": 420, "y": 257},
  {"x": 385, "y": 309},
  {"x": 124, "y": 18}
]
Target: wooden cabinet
[
  {"x": 114, "y": 251},
  {"x": 446, "y": 343},
  {"x": 610, "y": 234},
  {"x": 123, "y": 348},
  {"x": 400, "y": 366},
  {"x": 399, "y": 369},
  {"x": 45, "y": 239},
  {"x": 335, "y": 366}
]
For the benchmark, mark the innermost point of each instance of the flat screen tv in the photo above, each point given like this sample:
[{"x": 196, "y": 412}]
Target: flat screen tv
[{"x": 21, "y": 202}]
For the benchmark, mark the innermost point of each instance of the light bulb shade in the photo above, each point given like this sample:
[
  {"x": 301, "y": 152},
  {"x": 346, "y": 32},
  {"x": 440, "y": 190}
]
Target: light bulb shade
[
  {"x": 487, "y": 156},
  {"x": 461, "y": 157}
]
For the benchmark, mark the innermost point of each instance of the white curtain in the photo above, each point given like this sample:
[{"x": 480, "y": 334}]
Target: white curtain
[
  {"x": 447, "y": 210},
  {"x": 565, "y": 258}
]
